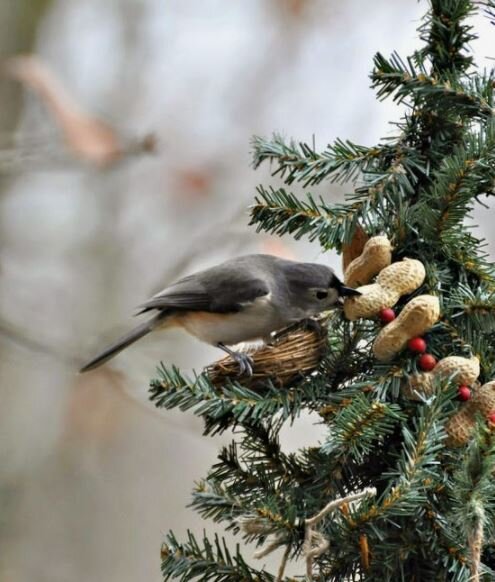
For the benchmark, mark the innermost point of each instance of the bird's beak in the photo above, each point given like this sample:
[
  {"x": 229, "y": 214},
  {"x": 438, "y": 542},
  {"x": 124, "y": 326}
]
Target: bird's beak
[{"x": 349, "y": 292}]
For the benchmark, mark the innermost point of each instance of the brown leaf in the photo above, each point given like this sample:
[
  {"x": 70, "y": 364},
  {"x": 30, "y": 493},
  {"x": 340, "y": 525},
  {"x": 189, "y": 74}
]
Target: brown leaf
[
  {"x": 355, "y": 248},
  {"x": 90, "y": 139}
]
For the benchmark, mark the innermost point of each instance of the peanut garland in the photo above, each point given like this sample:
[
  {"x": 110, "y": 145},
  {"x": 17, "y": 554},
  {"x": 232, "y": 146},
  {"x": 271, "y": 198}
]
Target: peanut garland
[
  {"x": 460, "y": 426},
  {"x": 464, "y": 371},
  {"x": 393, "y": 280}
]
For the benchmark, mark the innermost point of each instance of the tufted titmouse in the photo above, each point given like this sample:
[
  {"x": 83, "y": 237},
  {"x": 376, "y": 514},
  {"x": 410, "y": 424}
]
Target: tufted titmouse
[{"x": 243, "y": 299}]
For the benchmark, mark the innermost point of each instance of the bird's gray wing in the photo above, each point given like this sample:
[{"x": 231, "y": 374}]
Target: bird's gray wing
[{"x": 215, "y": 291}]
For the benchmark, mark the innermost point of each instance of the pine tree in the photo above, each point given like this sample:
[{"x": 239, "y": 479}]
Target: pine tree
[{"x": 385, "y": 497}]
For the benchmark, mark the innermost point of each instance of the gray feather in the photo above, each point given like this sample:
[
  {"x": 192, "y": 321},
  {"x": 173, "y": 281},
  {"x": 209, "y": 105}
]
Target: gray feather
[
  {"x": 126, "y": 340},
  {"x": 220, "y": 289}
]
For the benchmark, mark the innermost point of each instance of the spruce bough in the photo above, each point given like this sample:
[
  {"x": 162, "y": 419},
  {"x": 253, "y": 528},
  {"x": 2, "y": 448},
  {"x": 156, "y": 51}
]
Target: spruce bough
[{"x": 424, "y": 511}]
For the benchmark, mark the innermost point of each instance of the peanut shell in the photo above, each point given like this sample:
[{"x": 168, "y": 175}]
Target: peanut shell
[
  {"x": 376, "y": 255},
  {"x": 403, "y": 277},
  {"x": 460, "y": 426},
  {"x": 415, "y": 319},
  {"x": 484, "y": 399},
  {"x": 394, "y": 281},
  {"x": 463, "y": 370}
]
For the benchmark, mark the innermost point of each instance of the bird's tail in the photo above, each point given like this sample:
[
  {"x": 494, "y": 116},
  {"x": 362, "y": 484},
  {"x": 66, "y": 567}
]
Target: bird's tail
[{"x": 126, "y": 340}]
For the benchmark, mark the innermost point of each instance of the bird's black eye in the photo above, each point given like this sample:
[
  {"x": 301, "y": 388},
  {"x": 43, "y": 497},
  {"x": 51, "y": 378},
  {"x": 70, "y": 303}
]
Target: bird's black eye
[{"x": 321, "y": 294}]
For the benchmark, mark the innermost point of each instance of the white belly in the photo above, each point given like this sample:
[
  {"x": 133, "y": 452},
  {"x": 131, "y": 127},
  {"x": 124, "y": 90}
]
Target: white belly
[{"x": 254, "y": 322}]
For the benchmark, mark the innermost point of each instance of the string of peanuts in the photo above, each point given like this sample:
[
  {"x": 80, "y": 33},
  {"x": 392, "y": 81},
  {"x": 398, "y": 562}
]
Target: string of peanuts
[
  {"x": 417, "y": 317},
  {"x": 393, "y": 280}
]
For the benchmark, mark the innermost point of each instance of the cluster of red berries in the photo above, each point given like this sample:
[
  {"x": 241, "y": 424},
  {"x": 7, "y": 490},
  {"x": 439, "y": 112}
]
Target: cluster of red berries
[{"x": 426, "y": 361}]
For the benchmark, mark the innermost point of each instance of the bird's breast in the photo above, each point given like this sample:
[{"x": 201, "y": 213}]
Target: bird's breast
[{"x": 253, "y": 321}]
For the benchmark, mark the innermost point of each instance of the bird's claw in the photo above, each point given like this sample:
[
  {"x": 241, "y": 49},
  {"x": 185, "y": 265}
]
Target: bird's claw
[{"x": 245, "y": 364}]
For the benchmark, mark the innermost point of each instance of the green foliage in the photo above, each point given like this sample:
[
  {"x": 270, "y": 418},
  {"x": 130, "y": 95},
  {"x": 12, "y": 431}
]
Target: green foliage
[
  {"x": 341, "y": 162},
  {"x": 411, "y": 84},
  {"x": 206, "y": 563},
  {"x": 471, "y": 486},
  {"x": 226, "y": 406},
  {"x": 447, "y": 34},
  {"x": 357, "y": 426},
  {"x": 432, "y": 501},
  {"x": 280, "y": 212}
]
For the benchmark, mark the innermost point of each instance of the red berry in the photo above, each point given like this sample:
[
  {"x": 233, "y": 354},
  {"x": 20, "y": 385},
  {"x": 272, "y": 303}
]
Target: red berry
[
  {"x": 427, "y": 362},
  {"x": 491, "y": 418},
  {"x": 387, "y": 315},
  {"x": 417, "y": 344},
  {"x": 464, "y": 393}
]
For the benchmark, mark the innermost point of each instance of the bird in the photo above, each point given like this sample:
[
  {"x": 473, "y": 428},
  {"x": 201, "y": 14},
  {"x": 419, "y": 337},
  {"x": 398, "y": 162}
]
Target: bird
[{"x": 243, "y": 299}]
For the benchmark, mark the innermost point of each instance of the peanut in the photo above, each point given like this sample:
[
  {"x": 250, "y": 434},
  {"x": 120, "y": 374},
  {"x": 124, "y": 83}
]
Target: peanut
[
  {"x": 415, "y": 319},
  {"x": 394, "y": 281},
  {"x": 376, "y": 255},
  {"x": 460, "y": 426},
  {"x": 462, "y": 370}
]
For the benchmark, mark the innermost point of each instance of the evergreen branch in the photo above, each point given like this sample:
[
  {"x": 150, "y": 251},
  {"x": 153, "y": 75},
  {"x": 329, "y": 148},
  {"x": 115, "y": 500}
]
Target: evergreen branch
[
  {"x": 404, "y": 82},
  {"x": 389, "y": 76},
  {"x": 358, "y": 426},
  {"x": 261, "y": 449},
  {"x": 209, "y": 562},
  {"x": 315, "y": 543},
  {"x": 260, "y": 511},
  {"x": 439, "y": 534},
  {"x": 260, "y": 470},
  {"x": 451, "y": 196},
  {"x": 472, "y": 491},
  {"x": 462, "y": 177},
  {"x": 474, "y": 310},
  {"x": 221, "y": 407},
  {"x": 349, "y": 357},
  {"x": 341, "y": 162},
  {"x": 447, "y": 35},
  {"x": 211, "y": 501},
  {"x": 257, "y": 513},
  {"x": 417, "y": 461},
  {"x": 280, "y": 212},
  {"x": 488, "y": 9},
  {"x": 388, "y": 379},
  {"x": 232, "y": 473},
  {"x": 463, "y": 248}
]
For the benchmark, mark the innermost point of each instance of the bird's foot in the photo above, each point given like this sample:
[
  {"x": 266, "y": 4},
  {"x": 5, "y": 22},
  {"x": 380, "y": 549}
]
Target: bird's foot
[{"x": 245, "y": 362}]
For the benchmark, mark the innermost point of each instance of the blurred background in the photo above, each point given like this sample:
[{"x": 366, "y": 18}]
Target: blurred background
[{"x": 124, "y": 165}]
